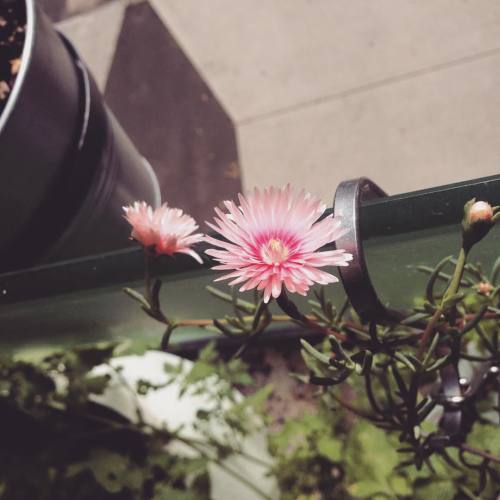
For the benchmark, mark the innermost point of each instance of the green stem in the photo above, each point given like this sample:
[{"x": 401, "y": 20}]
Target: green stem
[
  {"x": 457, "y": 275},
  {"x": 427, "y": 333},
  {"x": 452, "y": 289},
  {"x": 147, "y": 276},
  {"x": 165, "y": 340},
  {"x": 152, "y": 298},
  {"x": 480, "y": 453}
]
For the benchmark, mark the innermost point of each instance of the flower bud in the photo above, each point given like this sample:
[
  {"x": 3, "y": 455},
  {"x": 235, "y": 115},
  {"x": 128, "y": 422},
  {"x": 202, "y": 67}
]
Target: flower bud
[
  {"x": 478, "y": 219},
  {"x": 480, "y": 211},
  {"x": 484, "y": 288}
]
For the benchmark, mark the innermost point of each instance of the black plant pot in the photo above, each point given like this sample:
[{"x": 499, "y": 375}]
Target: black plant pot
[{"x": 67, "y": 167}]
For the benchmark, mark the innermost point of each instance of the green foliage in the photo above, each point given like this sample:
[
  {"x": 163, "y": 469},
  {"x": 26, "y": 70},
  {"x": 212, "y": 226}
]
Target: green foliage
[
  {"x": 374, "y": 432},
  {"x": 240, "y": 416},
  {"x": 308, "y": 453},
  {"x": 380, "y": 382},
  {"x": 58, "y": 444},
  {"x": 390, "y": 366},
  {"x": 485, "y": 437},
  {"x": 371, "y": 436},
  {"x": 365, "y": 448},
  {"x": 327, "y": 455}
]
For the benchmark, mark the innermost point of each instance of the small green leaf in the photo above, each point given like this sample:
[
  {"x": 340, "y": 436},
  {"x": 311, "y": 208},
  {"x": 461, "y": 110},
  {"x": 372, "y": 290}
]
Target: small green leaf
[
  {"x": 438, "y": 363},
  {"x": 226, "y": 297},
  {"x": 337, "y": 347},
  {"x": 319, "y": 356},
  {"x": 495, "y": 271},
  {"x": 224, "y": 329},
  {"x": 430, "y": 351},
  {"x": 137, "y": 296},
  {"x": 399, "y": 381},
  {"x": 415, "y": 318},
  {"x": 401, "y": 486},
  {"x": 109, "y": 468},
  {"x": 367, "y": 488},
  {"x": 485, "y": 437},
  {"x": 442, "y": 489},
  {"x": 401, "y": 357},
  {"x": 97, "y": 384},
  {"x": 95, "y": 354},
  {"x": 330, "y": 448}
]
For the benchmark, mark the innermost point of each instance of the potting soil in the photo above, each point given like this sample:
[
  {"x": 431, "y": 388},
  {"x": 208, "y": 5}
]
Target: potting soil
[{"x": 12, "y": 34}]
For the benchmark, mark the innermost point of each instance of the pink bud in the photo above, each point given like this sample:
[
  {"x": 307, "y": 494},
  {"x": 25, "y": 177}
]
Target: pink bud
[
  {"x": 484, "y": 288},
  {"x": 480, "y": 211}
]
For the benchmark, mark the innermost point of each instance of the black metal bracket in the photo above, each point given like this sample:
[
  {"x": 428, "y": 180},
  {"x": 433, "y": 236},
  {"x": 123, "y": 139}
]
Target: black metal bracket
[
  {"x": 365, "y": 301},
  {"x": 355, "y": 277}
]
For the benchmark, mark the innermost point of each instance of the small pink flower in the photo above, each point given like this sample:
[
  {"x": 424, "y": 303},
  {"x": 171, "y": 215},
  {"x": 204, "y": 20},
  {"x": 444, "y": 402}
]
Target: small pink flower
[
  {"x": 272, "y": 240},
  {"x": 164, "y": 230}
]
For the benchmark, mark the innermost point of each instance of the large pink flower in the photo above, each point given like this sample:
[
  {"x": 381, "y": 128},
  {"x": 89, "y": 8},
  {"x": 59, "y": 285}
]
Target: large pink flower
[
  {"x": 272, "y": 239},
  {"x": 164, "y": 230}
]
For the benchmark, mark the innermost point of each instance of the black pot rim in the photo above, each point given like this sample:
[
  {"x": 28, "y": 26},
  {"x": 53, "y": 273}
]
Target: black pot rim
[
  {"x": 29, "y": 42},
  {"x": 80, "y": 180},
  {"x": 82, "y": 157}
]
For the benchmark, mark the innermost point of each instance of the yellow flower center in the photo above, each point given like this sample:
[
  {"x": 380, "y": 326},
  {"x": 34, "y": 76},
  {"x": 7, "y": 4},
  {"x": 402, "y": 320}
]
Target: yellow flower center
[{"x": 275, "y": 251}]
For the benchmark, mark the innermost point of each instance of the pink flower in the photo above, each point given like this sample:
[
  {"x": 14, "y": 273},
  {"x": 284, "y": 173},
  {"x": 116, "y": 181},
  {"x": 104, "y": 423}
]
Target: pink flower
[
  {"x": 164, "y": 230},
  {"x": 273, "y": 238}
]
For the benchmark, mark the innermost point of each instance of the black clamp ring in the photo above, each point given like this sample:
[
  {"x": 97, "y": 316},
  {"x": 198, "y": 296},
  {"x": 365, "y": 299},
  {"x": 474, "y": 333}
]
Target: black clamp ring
[
  {"x": 355, "y": 277},
  {"x": 365, "y": 301}
]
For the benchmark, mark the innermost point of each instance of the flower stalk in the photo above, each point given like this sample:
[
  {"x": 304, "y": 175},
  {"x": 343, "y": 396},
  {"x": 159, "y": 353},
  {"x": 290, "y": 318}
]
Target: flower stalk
[
  {"x": 479, "y": 217},
  {"x": 456, "y": 279},
  {"x": 164, "y": 231}
]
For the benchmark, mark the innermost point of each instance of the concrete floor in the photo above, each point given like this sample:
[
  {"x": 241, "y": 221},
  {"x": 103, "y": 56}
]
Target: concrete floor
[{"x": 309, "y": 91}]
